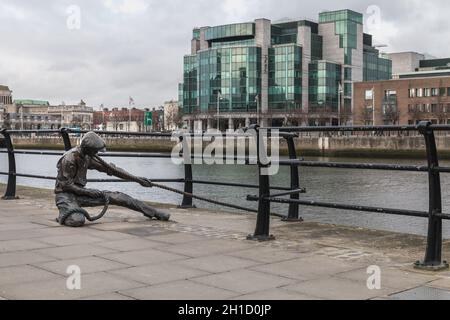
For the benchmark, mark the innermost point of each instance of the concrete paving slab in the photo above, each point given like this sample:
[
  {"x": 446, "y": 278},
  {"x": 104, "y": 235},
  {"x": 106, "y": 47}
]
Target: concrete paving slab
[
  {"x": 21, "y": 245},
  {"x": 179, "y": 290},
  {"x": 24, "y": 274},
  {"x": 266, "y": 255},
  {"x": 305, "y": 268},
  {"x": 391, "y": 278},
  {"x": 75, "y": 251},
  {"x": 143, "y": 257},
  {"x": 159, "y": 273},
  {"x": 218, "y": 263},
  {"x": 175, "y": 238},
  {"x": 86, "y": 264},
  {"x": 129, "y": 244},
  {"x": 275, "y": 295},
  {"x": 68, "y": 240},
  {"x": 109, "y": 297},
  {"x": 91, "y": 285},
  {"x": 212, "y": 246},
  {"x": 338, "y": 289},
  {"x": 21, "y": 258},
  {"x": 244, "y": 281}
]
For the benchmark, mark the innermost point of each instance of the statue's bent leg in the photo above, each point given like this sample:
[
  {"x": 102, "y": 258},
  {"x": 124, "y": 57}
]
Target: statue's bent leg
[
  {"x": 124, "y": 200},
  {"x": 70, "y": 212}
]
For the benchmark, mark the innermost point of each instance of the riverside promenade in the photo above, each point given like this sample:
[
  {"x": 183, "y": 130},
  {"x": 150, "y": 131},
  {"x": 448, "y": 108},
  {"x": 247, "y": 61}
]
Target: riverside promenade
[{"x": 200, "y": 255}]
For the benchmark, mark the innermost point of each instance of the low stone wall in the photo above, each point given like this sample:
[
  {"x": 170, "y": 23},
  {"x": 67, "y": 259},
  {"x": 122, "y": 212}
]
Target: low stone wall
[{"x": 351, "y": 146}]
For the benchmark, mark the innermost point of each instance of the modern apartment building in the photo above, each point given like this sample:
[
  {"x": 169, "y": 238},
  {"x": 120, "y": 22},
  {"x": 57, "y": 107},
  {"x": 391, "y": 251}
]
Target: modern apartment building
[
  {"x": 296, "y": 72},
  {"x": 403, "y": 101}
]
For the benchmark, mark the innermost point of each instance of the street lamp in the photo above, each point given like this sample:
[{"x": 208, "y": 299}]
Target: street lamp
[
  {"x": 219, "y": 97},
  {"x": 257, "y": 108},
  {"x": 340, "y": 91}
]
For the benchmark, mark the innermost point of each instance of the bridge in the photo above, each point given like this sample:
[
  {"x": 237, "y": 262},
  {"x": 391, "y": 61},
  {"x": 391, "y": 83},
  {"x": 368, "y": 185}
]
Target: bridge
[{"x": 204, "y": 254}]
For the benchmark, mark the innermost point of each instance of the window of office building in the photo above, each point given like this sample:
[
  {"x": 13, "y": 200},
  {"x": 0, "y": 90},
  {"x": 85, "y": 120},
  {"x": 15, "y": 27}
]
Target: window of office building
[
  {"x": 412, "y": 93},
  {"x": 435, "y": 92},
  {"x": 324, "y": 80},
  {"x": 369, "y": 94},
  {"x": 229, "y": 78},
  {"x": 285, "y": 77}
]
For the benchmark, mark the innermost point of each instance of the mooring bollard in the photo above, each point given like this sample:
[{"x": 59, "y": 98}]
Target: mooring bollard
[{"x": 433, "y": 256}]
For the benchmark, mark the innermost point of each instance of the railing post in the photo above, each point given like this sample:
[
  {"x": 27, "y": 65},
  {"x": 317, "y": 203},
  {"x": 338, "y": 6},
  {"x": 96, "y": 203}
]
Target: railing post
[
  {"x": 293, "y": 215},
  {"x": 188, "y": 184},
  {"x": 263, "y": 216},
  {"x": 10, "y": 193},
  {"x": 433, "y": 256},
  {"x": 65, "y": 135}
]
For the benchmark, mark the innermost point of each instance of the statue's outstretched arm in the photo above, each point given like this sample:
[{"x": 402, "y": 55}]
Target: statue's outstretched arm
[{"x": 112, "y": 170}]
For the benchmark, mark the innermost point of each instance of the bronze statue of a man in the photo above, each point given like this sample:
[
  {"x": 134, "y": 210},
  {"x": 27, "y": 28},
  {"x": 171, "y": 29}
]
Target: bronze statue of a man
[{"x": 72, "y": 194}]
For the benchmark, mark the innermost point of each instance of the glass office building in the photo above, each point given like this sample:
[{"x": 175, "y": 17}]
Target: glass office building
[{"x": 240, "y": 72}]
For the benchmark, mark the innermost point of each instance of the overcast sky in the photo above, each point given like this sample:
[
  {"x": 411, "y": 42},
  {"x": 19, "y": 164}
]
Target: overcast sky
[{"x": 134, "y": 48}]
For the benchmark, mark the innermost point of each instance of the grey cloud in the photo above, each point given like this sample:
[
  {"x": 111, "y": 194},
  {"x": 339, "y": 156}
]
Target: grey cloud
[{"x": 138, "y": 53}]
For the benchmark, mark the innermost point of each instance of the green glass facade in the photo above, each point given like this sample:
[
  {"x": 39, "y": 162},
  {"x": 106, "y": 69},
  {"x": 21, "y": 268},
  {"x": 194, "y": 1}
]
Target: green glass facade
[
  {"x": 376, "y": 68},
  {"x": 229, "y": 69},
  {"x": 190, "y": 88},
  {"x": 285, "y": 77},
  {"x": 230, "y": 77},
  {"x": 346, "y": 26},
  {"x": 324, "y": 79},
  {"x": 230, "y": 31}
]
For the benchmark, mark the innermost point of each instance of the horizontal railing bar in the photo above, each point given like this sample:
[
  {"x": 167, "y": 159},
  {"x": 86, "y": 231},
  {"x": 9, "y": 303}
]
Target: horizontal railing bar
[
  {"x": 357, "y": 128},
  {"x": 230, "y": 184},
  {"x": 298, "y": 191},
  {"x": 410, "y": 213},
  {"x": 121, "y": 133},
  {"x": 23, "y": 175},
  {"x": 110, "y": 155}
]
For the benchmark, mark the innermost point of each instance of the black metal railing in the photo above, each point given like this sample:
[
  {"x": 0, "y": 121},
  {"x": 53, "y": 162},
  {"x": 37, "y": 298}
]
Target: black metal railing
[
  {"x": 433, "y": 255},
  {"x": 435, "y": 216},
  {"x": 188, "y": 179}
]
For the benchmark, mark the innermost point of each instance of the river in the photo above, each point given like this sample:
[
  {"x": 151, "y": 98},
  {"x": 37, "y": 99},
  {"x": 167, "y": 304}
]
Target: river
[{"x": 403, "y": 190}]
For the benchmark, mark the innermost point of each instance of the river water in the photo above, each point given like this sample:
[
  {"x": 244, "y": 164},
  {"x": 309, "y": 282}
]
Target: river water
[{"x": 403, "y": 190}]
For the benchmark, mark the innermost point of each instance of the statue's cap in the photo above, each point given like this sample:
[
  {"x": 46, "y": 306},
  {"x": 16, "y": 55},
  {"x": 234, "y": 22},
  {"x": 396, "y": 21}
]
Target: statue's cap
[{"x": 92, "y": 141}]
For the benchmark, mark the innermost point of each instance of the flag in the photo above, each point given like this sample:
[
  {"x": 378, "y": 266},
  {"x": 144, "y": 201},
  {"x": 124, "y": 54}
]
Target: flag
[{"x": 131, "y": 101}]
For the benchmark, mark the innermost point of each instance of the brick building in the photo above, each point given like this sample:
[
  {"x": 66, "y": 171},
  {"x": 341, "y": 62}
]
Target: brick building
[{"x": 402, "y": 101}]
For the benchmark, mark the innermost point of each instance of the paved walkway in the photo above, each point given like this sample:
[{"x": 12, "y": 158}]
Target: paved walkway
[{"x": 201, "y": 255}]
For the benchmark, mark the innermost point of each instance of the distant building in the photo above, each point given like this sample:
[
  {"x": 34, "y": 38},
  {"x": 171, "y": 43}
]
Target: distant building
[
  {"x": 158, "y": 119},
  {"x": 5, "y": 95},
  {"x": 412, "y": 65},
  {"x": 405, "y": 62},
  {"x": 32, "y": 115},
  {"x": 172, "y": 115},
  {"x": 123, "y": 119},
  {"x": 74, "y": 116},
  {"x": 403, "y": 101},
  {"x": 294, "y": 73}
]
